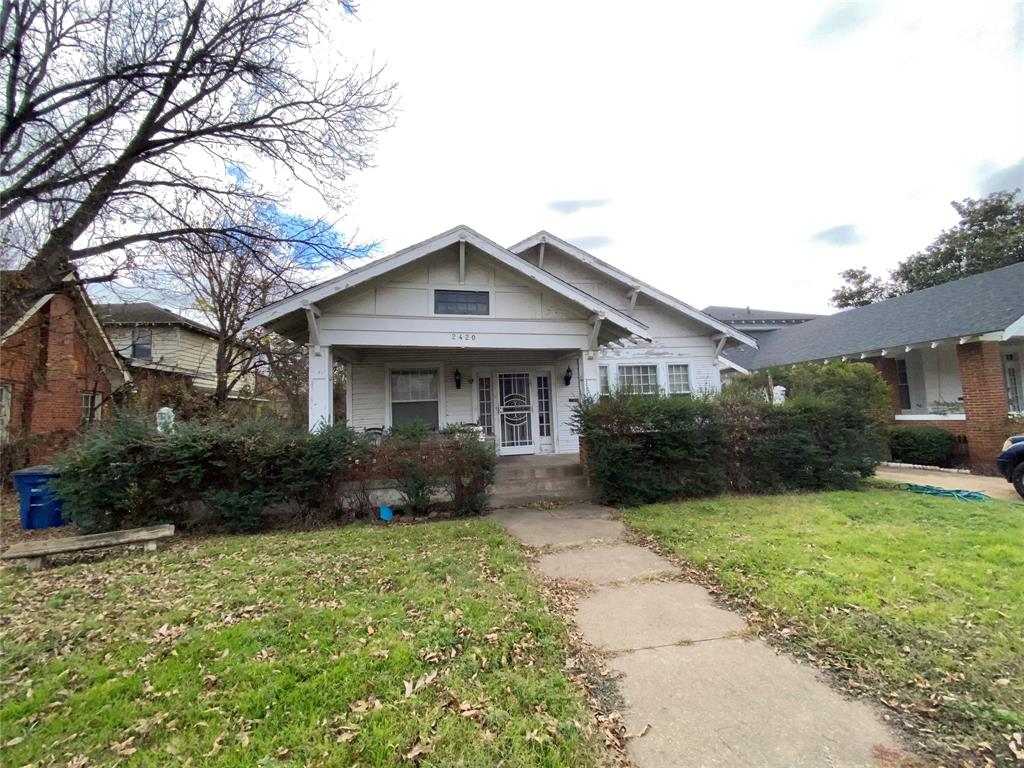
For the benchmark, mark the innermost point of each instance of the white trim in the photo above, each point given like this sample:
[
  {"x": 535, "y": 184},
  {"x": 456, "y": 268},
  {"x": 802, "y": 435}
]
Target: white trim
[
  {"x": 633, "y": 284},
  {"x": 25, "y": 317},
  {"x": 399, "y": 259},
  {"x": 730, "y": 364},
  {"x": 930, "y": 417},
  {"x": 1016, "y": 328}
]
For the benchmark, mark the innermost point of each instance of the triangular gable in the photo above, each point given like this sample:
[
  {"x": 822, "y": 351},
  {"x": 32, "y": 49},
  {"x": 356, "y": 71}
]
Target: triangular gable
[
  {"x": 633, "y": 283},
  {"x": 276, "y": 313}
]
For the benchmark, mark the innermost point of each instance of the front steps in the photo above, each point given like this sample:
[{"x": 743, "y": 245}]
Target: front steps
[{"x": 522, "y": 480}]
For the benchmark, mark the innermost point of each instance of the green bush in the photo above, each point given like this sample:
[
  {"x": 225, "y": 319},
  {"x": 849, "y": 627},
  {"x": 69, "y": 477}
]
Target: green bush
[
  {"x": 922, "y": 445},
  {"x": 125, "y": 474},
  {"x": 470, "y": 466},
  {"x": 644, "y": 449}
]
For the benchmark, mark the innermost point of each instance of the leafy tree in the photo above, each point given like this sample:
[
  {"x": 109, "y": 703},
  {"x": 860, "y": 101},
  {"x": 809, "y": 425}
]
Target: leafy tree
[{"x": 989, "y": 235}]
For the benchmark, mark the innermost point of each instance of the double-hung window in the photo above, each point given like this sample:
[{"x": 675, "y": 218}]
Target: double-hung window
[
  {"x": 603, "y": 383},
  {"x": 679, "y": 379},
  {"x": 142, "y": 343},
  {"x": 638, "y": 379},
  {"x": 414, "y": 396},
  {"x": 462, "y": 302},
  {"x": 92, "y": 407}
]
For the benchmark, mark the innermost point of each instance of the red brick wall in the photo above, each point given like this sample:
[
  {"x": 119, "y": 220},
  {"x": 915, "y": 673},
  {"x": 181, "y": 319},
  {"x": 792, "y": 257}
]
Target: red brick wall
[
  {"x": 985, "y": 402},
  {"x": 49, "y": 363},
  {"x": 886, "y": 366}
]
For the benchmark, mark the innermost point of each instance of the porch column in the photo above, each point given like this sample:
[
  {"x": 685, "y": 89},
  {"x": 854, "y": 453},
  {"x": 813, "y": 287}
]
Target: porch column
[
  {"x": 985, "y": 402},
  {"x": 321, "y": 387}
]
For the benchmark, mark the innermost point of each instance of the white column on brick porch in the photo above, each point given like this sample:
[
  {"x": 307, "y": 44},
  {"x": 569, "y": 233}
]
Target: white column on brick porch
[{"x": 321, "y": 388}]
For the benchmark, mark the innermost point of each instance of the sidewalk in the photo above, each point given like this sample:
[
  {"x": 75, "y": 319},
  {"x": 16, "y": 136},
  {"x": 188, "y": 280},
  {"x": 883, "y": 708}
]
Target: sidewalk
[{"x": 704, "y": 693}]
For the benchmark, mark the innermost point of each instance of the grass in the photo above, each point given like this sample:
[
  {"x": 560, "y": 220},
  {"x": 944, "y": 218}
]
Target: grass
[
  {"x": 918, "y": 600},
  {"x": 355, "y": 646}
]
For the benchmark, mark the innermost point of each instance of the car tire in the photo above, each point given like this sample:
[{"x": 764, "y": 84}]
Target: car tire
[{"x": 1018, "y": 477}]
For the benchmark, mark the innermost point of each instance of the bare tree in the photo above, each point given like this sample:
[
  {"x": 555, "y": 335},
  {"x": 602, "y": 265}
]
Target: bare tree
[{"x": 125, "y": 123}]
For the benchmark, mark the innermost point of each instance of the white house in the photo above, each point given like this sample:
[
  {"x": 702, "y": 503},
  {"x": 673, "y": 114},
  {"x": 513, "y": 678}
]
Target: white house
[{"x": 458, "y": 329}]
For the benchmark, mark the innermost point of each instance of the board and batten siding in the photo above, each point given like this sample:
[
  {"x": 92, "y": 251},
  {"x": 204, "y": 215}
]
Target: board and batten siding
[{"x": 676, "y": 338}]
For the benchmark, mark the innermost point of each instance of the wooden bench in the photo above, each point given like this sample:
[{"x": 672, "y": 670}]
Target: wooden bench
[{"x": 35, "y": 552}]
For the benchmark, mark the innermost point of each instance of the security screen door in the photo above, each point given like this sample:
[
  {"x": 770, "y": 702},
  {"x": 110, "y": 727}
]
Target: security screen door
[{"x": 515, "y": 414}]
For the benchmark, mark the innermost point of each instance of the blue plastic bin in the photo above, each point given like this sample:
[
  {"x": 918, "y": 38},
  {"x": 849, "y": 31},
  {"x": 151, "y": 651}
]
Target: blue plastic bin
[{"x": 40, "y": 507}]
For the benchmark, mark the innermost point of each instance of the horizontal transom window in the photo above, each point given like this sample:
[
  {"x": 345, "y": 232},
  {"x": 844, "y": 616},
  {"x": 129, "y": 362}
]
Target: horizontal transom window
[{"x": 448, "y": 302}]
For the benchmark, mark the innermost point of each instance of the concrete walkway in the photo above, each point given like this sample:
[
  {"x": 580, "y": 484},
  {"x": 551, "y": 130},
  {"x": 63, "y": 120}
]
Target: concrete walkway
[
  {"x": 705, "y": 692},
  {"x": 996, "y": 487}
]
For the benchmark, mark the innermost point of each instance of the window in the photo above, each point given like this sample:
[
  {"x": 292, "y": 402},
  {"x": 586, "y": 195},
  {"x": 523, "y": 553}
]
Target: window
[
  {"x": 903, "y": 384},
  {"x": 142, "y": 343},
  {"x": 92, "y": 407},
  {"x": 5, "y": 411},
  {"x": 462, "y": 303},
  {"x": 679, "y": 379},
  {"x": 1013, "y": 390},
  {"x": 638, "y": 379},
  {"x": 602, "y": 380},
  {"x": 544, "y": 406},
  {"x": 414, "y": 396},
  {"x": 486, "y": 405}
]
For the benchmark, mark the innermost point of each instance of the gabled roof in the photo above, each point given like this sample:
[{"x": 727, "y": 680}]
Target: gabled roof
[
  {"x": 991, "y": 303},
  {"x": 76, "y": 290},
  {"x": 626, "y": 279},
  {"x": 145, "y": 313},
  {"x": 744, "y": 315},
  {"x": 298, "y": 301}
]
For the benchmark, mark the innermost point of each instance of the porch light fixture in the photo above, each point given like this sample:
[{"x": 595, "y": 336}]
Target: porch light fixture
[
  {"x": 458, "y": 379},
  {"x": 568, "y": 375}
]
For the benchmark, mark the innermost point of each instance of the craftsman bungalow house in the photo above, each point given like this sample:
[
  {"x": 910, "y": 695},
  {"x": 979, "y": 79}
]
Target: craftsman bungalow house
[
  {"x": 953, "y": 355},
  {"x": 457, "y": 329}
]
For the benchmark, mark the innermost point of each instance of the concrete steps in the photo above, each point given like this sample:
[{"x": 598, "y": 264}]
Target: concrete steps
[{"x": 522, "y": 480}]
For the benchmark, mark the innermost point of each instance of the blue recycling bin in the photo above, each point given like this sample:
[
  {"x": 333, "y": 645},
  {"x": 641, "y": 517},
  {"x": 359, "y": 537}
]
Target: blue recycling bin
[{"x": 40, "y": 507}]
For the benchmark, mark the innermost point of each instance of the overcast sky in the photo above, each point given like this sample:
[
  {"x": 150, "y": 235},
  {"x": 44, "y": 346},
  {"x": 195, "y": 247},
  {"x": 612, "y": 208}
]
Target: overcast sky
[{"x": 728, "y": 153}]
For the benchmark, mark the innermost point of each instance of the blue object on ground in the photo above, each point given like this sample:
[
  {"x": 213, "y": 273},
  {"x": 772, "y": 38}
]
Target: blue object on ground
[
  {"x": 386, "y": 513},
  {"x": 40, "y": 507},
  {"x": 932, "y": 490}
]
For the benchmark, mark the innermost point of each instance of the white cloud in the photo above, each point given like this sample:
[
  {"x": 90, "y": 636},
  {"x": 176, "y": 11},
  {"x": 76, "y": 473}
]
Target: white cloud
[{"x": 724, "y": 136}]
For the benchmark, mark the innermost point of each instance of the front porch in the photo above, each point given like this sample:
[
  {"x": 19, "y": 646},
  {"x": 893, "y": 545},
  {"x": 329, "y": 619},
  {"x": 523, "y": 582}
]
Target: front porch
[{"x": 522, "y": 399}]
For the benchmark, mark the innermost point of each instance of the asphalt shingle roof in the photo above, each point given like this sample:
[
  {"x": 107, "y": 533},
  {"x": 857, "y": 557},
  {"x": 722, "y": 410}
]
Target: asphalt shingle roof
[
  {"x": 972, "y": 305},
  {"x": 747, "y": 315},
  {"x": 145, "y": 313}
]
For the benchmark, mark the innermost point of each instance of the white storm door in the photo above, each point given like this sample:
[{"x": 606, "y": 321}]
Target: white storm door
[{"x": 515, "y": 414}]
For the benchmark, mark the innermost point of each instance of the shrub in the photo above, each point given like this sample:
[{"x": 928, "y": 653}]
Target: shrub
[
  {"x": 470, "y": 466},
  {"x": 643, "y": 449},
  {"x": 125, "y": 474},
  {"x": 922, "y": 445}
]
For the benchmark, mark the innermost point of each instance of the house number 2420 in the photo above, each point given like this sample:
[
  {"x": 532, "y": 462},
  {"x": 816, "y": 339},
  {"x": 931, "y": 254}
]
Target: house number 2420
[{"x": 463, "y": 337}]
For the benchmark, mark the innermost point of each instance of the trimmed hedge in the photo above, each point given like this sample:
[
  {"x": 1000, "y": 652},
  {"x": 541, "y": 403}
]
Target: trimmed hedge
[
  {"x": 645, "y": 449},
  {"x": 125, "y": 474},
  {"x": 922, "y": 445}
]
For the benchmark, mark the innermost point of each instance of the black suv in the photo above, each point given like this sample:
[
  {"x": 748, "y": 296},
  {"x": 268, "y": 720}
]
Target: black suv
[{"x": 1011, "y": 462}]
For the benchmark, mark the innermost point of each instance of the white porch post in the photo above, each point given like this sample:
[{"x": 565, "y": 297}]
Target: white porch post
[{"x": 321, "y": 387}]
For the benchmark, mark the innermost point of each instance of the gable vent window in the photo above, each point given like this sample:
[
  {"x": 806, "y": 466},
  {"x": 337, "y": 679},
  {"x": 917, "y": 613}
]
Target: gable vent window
[{"x": 462, "y": 303}]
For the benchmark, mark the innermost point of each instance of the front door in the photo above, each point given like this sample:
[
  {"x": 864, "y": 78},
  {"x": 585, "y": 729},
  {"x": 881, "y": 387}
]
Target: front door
[{"x": 515, "y": 414}]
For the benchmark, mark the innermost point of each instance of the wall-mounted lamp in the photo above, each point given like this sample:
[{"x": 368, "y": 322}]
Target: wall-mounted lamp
[
  {"x": 568, "y": 375},
  {"x": 458, "y": 379}
]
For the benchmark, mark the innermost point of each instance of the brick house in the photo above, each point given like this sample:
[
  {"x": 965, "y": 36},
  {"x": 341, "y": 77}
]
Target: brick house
[
  {"x": 953, "y": 355},
  {"x": 58, "y": 370}
]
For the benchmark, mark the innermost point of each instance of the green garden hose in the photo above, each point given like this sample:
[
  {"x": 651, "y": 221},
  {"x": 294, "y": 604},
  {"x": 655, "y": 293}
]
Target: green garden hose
[{"x": 931, "y": 490}]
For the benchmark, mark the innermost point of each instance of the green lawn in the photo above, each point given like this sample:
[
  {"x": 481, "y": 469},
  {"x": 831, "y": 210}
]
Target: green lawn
[
  {"x": 353, "y": 646},
  {"x": 918, "y": 599}
]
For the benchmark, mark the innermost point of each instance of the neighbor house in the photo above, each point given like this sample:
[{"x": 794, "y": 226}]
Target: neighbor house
[
  {"x": 756, "y": 323},
  {"x": 58, "y": 370},
  {"x": 160, "y": 345},
  {"x": 953, "y": 355},
  {"x": 458, "y": 329}
]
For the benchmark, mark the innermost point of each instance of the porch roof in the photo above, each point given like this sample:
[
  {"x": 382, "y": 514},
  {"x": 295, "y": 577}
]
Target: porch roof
[
  {"x": 287, "y": 312},
  {"x": 989, "y": 306}
]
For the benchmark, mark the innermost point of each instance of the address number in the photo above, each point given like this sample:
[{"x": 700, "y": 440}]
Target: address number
[{"x": 463, "y": 337}]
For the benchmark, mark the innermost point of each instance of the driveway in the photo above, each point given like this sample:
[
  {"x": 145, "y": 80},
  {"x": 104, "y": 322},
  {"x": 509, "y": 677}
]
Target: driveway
[
  {"x": 996, "y": 487},
  {"x": 699, "y": 689}
]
